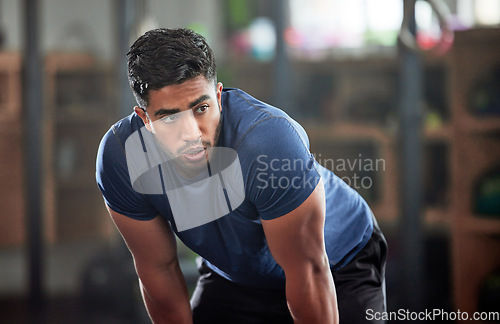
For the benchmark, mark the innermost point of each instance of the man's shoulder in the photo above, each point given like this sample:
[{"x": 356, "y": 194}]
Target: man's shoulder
[
  {"x": 246, "y": 116},
  {"x": 126, "y": 126},
  {"x": 121, "y": 130},
  {"x": 112, "y": 146},
  {"x": 241, "y": 103}
]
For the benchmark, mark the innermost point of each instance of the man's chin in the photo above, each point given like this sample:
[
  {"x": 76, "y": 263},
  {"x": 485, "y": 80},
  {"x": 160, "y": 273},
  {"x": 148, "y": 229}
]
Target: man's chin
[
  {"x": 191, "y": 171},
  {"x": 190, "y": 168}
]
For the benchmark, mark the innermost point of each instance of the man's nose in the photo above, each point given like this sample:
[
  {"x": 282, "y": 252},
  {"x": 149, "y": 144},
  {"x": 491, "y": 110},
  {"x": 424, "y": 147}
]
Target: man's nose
[{"x": 190, "y": 129}]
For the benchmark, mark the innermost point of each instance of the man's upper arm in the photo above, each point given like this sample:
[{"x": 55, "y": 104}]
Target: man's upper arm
[
  {"x": 297, "y": 238},
  {"x": 153, "y": 246},
  {"x": 152, "y": 242},
  {"x": 296, "y": 241}
]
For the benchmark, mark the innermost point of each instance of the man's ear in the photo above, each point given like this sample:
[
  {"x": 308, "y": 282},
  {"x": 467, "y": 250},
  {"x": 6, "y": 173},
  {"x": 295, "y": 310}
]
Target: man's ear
[
  {"x": 142, "y": 113},
  {"x": 219, "y": 94}
]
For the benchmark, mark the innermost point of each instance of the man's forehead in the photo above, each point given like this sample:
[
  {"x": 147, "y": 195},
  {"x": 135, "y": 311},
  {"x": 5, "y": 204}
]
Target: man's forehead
[{"x": 181, "y": 96}]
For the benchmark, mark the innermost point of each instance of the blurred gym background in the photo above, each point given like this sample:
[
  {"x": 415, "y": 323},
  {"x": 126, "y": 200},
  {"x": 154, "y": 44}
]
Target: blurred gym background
[{"x": 400, "y": 98}]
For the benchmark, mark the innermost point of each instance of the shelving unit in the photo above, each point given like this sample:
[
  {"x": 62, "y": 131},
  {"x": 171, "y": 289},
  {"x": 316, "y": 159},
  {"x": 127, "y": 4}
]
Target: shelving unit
[
  {"x": 78, "y": 112},
  {"x": 376, "y": 178},
  {"x": 12, "y": 202},
  {"x": 476, "y": 149},
  {"x": 360, "y": 107}
]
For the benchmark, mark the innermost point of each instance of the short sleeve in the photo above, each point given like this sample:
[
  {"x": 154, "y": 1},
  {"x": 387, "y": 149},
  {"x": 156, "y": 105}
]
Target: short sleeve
[
  {"x": 279, "y": 169},
  {"x": 114, "y": 182}
]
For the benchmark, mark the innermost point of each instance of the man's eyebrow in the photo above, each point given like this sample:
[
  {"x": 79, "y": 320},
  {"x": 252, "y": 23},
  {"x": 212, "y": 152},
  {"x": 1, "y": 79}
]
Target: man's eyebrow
[
  {"x": 166, "y": 111},
  {"x": 200, "y": 99},
  {"x": 171, "y": 111}
]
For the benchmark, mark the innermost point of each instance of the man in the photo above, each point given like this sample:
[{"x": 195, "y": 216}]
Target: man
[{"x": 233, "y": 178}]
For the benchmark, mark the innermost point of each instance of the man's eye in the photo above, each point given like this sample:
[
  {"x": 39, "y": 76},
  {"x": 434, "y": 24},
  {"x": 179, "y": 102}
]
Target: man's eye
[
  {"x": 170, "y": 118},
  {"x": 202, "y": 109}
]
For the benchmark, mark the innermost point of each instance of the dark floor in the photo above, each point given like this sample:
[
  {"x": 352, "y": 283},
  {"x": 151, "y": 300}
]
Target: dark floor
[
  {"x": 115, "y": 299},
  {"x": 101, "y": 287},
  {"x": 64, "y": 310}
]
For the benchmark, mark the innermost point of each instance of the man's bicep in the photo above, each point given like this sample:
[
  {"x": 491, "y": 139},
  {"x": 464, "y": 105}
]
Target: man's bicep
[
  {"x": 279, "y": 171},
  {"x": 297, "y": 238},
  {"x": 151, "y": 242}
]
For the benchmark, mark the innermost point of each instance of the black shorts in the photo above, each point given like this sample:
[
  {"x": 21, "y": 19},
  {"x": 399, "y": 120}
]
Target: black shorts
[{"x": 360, "y": 287}]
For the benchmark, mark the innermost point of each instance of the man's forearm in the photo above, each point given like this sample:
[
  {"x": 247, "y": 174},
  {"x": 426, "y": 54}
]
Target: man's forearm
[
  {"x": 311, "y": 296},
  {"x": 165, "y": 296}
]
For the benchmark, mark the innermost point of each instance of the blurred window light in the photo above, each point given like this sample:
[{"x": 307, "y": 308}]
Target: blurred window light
[
  {"x": 465, "y": 13},
  {"x": 319, "y": 25},
  {"x": 384, "y": 19},
  {"x": 321, "y": 28},
  {"x": 323, "y": 24},
  {"x": 423, "y": 14},
  {"x": 352, "y": 20},
  {"x": 384, "y": 15},
  {"x": 488, "y": 12}
]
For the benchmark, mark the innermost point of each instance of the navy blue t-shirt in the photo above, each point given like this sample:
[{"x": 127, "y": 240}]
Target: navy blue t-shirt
[{"x": 277, "y": 173}]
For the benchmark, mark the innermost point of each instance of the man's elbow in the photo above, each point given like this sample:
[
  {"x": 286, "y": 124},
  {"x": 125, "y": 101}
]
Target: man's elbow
[
  {"x": 320, "y": 265},
  {"x": 309, "y": 267},
  {"x": 151, "y": 267}
]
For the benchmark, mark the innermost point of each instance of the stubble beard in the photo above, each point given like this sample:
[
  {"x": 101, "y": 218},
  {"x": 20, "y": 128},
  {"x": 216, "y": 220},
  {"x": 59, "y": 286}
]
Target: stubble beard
[{"x": 191, "y": 170}]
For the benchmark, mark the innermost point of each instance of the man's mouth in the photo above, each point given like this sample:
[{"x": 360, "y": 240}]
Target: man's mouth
[{"x": 194, "y": 154}]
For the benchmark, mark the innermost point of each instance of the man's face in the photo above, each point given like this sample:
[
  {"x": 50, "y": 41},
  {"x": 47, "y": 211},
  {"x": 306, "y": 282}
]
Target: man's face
[{"x": 185, "y": 119}]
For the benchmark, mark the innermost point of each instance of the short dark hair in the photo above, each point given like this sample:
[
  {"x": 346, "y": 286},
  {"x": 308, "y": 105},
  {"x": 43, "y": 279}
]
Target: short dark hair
[{"x": 163, "y": 57}]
